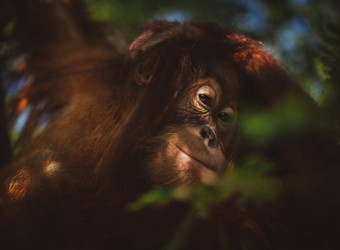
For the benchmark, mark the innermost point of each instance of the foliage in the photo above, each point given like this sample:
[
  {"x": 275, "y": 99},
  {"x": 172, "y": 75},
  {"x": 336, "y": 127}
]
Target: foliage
[
  {"x": 249, "y": 182},
  {"x": 330, "y": 61}
]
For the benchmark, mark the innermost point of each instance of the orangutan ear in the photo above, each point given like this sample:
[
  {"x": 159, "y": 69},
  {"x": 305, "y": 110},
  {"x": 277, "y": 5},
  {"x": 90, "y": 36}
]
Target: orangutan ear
[{"x": 146, "y": 69}]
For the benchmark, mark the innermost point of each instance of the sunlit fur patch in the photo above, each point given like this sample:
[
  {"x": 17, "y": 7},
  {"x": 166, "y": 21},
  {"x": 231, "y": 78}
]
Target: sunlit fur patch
[
  {"x": 51, "y": 167},
  {"x": 17, "y": 185},
  {"x": 179, "y": 159},
  {"x": 171, "y": 168},
  {"x": 186, "y": 164}
]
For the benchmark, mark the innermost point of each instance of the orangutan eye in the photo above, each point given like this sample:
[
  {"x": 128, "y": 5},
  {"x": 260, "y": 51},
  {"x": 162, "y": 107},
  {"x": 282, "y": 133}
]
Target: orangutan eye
[
  {"x": 226, "y": 115},
  {"x": 206, "y": 97},
  {"x": 206, "y": 100}
]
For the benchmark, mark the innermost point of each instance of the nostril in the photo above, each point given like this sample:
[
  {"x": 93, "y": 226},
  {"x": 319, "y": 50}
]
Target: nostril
[
  {"x": 209, "y": 136},
  {"x": 204, "y": 133}
]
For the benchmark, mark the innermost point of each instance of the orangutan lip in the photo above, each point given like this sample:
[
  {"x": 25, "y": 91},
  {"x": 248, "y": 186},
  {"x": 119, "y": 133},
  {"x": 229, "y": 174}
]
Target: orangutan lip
[{"x": 212, "y": 168}]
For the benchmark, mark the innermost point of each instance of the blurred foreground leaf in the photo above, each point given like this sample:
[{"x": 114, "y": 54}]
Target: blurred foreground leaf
[
  {"x": 250, "y": 182},
  {"x": 291, "y": 114}
]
